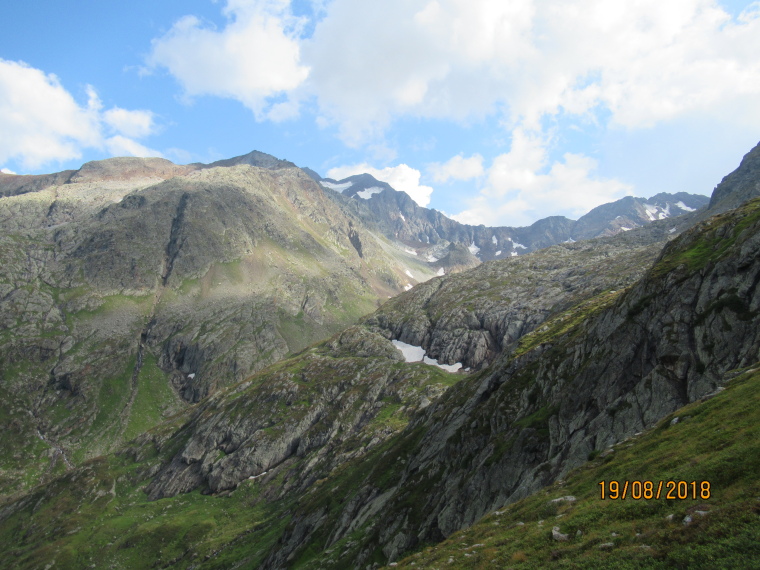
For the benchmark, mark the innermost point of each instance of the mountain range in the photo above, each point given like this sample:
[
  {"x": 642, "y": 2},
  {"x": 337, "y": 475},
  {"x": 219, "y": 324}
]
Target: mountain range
[{"x": 201, "y": 363}]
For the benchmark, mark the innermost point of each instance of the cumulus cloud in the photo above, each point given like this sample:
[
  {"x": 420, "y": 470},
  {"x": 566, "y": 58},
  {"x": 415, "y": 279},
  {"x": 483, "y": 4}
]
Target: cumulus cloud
[
  {"x": 123, "y": 146},
  {"x": 522, "y": 186},
  {"x": 457, "y": 168},
  {"x": 368, "y": 63},
  {"x": 6, "y": 171},
  {"x": 135, "y": 124},
  {"x": 402, "y": 178},
  {"x": 41, "y": 121},
  {"x": 254, "y": 57},
  {"x": 627, "y": 65},
  {"x": 642, "y": 61}
]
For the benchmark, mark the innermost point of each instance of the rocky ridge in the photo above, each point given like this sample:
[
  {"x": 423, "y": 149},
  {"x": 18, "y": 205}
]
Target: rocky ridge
[{"x": 429, "y": 232}]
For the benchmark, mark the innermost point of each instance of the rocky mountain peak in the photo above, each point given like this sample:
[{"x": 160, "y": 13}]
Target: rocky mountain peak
[
  {"x": 739, "y": 186},
  {"x": 254, "y": 158}
]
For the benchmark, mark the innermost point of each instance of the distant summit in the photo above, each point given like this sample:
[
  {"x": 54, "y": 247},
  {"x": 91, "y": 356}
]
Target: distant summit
[
  {"x": 253, "y": 158},
  {"x": 399, "y": 217}
]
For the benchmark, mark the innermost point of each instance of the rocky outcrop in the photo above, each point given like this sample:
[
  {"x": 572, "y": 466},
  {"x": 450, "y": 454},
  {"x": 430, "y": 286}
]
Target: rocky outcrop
[
  {"x": 739, "y": 186},
  {"x": 472, "y": 317},
  {"x": 303, "y": 418}
]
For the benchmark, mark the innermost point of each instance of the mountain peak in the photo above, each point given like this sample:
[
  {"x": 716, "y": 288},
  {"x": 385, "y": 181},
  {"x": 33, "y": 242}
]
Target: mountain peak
[
  {"x": 739, "y": 186},
  {"x": 254, "y": 158}
]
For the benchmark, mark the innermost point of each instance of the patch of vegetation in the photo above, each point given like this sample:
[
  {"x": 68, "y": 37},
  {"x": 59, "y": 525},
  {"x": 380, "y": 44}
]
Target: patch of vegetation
[
  {"x": 153, "y": 399},
  {"x": 539, "y": 420},
  {"x": 695, "y": 251},
  {"x": 566, "y": 321},
  {"x": 99, "y": 516}
]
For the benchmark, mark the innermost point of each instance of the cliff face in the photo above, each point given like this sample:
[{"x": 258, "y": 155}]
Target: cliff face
[{"x": 473, "y": 317}]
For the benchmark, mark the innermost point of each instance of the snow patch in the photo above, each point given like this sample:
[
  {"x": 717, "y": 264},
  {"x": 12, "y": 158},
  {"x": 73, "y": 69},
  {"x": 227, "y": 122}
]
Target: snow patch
[
  {"x": 417, "y": 353},
  {"x": 412, "y": 252},
  {"x": 409, "y": 273},
  {"x": 474, "y": 249},
  {"x": 336, "y": 186},
  {"x": 513, "y": 254},
  {"x": 672, "y": 231},
  {"x": 191, "y": 375},
  {"x": 516, "y": 245},
  {"x": 571, "y": 240},
  {"x": 400, "y": 215},
  {"x": 411, "y": 353},
  {"x": 494, "y": 240},
  {"x": 625, "y": 229},
  {"x": 367, "y": 194},
  {"x": 652, "y": 211},
  {"x": 408, "y": 286},
  {"x": 446, "y": 367},
  {"x": 441, "y": 272},
  {"x": 683, "y": 206},
  {"x": 431, "y": 258},
  {"x": 497, "y": 253}
]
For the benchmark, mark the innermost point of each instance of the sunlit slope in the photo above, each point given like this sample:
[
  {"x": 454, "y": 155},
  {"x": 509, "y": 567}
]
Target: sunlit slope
[{"x": 122, "y": 300}]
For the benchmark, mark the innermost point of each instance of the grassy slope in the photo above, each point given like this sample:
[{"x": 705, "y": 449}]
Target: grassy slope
[
  {"x": 99, "y": 514},
  {"x": 715, "y": 440}
]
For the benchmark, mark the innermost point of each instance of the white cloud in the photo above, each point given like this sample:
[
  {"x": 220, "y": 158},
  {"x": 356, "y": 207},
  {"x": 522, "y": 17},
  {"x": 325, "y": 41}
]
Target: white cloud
[
  {"x": 122, "y": 146},
  {"x": 254, "y": 57},
  {"x": 40, "y": 120},
  {"x": 136, "y": 124},
  {"x": 402, "y": 177},
  {"x": 368, "y": 63},
  {"x": 522, "y": 187},
  {"x": 458, "y": 168},
  {"x": 7, "y": 171},
  {"x": 642, "y": 61}
]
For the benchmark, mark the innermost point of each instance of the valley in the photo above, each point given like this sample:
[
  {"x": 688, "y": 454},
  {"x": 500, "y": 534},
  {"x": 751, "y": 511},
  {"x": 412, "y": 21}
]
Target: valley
[{"x": 197, "y": 366}]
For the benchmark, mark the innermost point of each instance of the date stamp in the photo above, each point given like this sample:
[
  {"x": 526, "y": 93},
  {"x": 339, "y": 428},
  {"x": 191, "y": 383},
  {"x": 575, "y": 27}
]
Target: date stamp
[{"x": 636, "y": 490}]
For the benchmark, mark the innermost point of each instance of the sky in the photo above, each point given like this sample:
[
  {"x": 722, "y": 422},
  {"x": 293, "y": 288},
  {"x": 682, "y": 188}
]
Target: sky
[{"x": 495, "y": 112}]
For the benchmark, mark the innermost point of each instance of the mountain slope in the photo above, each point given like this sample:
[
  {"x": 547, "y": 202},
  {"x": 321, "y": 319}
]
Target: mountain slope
[
  {"x": 705, "y": 454},
  {"x": 125, "y": 297},
  {"x": 343, "y": 455},
  {"x": 591, "y": 377},
  {"x": 739, "y": 186},
  {"x": 369, "y": 462}
]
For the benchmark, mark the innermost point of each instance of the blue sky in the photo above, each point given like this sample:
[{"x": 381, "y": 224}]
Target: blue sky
[{"x": 493, "y": 111}]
